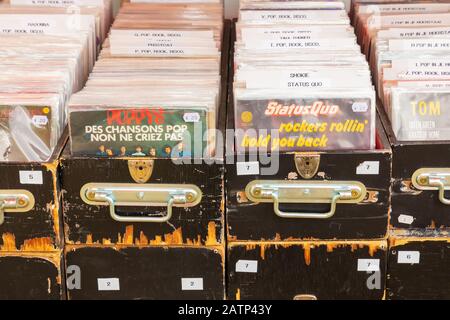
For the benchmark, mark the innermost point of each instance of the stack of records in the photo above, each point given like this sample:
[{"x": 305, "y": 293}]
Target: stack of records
[
  {"x": 45, "y": 56},
  {"x": 301, "y": 82},
  {"x": 408, "y": 46},
  {"x": 155, "y": 88}
]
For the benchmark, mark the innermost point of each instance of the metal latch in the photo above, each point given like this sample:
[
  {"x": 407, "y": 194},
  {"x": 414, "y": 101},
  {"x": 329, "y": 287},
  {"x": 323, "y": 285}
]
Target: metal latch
[
  {"x": 285, "y": 191},
  {"x": 307, "y": 164},
  {"x": 141, "y": 170},
  {"x": 143, "y": 195},
  {"x": 15, "y": 201},
  {"x": 433, "y": 179}
]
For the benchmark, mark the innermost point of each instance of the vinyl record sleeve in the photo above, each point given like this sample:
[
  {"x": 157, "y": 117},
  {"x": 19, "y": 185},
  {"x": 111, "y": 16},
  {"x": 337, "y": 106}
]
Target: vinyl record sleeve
[
  {"x": 420, "y": 114},
  {"x": 121, "y": 132},
  {"x": 25, "y": 133},
  {"x": 305, "y": 124}
]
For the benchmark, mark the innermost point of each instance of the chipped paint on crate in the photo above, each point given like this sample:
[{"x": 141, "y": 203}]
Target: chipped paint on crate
[
  {"x": 173, "y": 238},
  {"x": 54, "y": 207},
  {"x": 49, "y": 283},
  {"x": 118, "y": 247},
  {"x": 400, "y": 237},
  {"x": 307, "y": 253},
  {"x": 211, "y": 238},
  {"x": 278, "y": 238},
  {"x": 397, "y": 242},
  {"x": 33, "y": 245},
  {"x": 38, "y": 244},
  {"x": 9, "y": 242},
  {"x": 372, "y": 246},
  {"x": 141, "y": 241},
  {"x": 55, "y": 213}
]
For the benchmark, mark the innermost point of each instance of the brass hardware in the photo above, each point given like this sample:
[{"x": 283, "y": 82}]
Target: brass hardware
[
  {"x": 141, "y": 170},
  {"x": 406, "y": 186},
  {"x": 189, "y": 197},
  {"x": 433, "y": 179},
  {"x": 90, "y": 195},
  {"x": 15, "y": 201},
  {"x": 285, "y": 191},
  {"x": 305, "y": 297},
  {"x": 371, "y": 196},
  {"x": 307, "y": 164},
  {"x": 241, "y": 197},
  {"x": 141, "y": 195}
]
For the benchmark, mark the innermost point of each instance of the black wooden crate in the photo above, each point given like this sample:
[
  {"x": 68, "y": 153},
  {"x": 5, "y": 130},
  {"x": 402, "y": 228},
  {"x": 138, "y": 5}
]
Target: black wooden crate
[
  {"x": 40, "y": 227},
  {"x": 31, "y": 276},
  {"x": 200, "y": 224},
  {"x": 256, "y": 221},
  {"x": 122, "y": 272},
  {"x": 253, "y": 220},
  {"x": 368, "y": 219},
  {"x": 85, "y": 223},
  {"x": 413, "y": 207},
  {"x": 419, "y": 265},
  {"x": 307, "y": 270}
]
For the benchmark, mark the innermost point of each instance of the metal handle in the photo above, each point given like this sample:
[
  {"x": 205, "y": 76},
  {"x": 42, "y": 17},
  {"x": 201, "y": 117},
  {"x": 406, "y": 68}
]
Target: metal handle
[
  {"x": 441, "y": 187},
  {"x": 332, "y": 192},
  {"x": 152, "y": 195},
  {"x": 305, "y": 215},
  {"x": 305, "y": 297},
  {"x": 15, "y": 201},
  {"x": 112, "y": 211},
  {"x": 433, "y": 179}
]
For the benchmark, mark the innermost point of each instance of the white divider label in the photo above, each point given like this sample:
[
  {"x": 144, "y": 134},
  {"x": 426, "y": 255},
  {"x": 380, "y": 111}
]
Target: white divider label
[
  {"x": 405, "y": 219},
  {"x": 408, "y": 257},
  {"x": 247, "y": 168},
  {"x": 191, "y": 284},
  {"x": 247, "y": 266},
  {"x": 108, "y": 284},
  {"x": 45, "y": 23},
  {"x": 57, "y": 3},
  {"x": 368, "y": 265},
  {"x": 31, "y": 177},
  {"x": 368, "y": 168}
]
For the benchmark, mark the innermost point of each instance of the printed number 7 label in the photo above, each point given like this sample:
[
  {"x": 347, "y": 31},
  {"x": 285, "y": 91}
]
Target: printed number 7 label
[
  {"x": 368, "y": 265},
  {"x": 247, "y": 168},
  {"x": 248, "y": 266}
]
